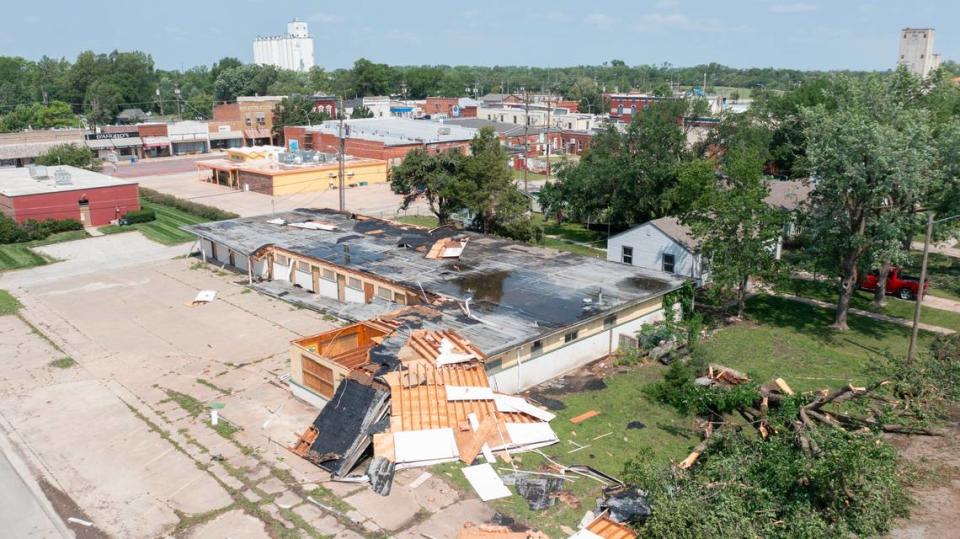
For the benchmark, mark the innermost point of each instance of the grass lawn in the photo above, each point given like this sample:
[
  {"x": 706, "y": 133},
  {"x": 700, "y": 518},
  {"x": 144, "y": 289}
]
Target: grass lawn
[
  {"x": 165, "y": 229},
  {"x": 862, "y": 299},
  {"x": 781, "y": 339},
  {"x": 794, "y": 341},
  {"x": 8, "y": 303},
  {"x": 668, "y": 434},
  {"x": 518, "y": 174},
  {"x": 429, "y": 221},
  {"x": 19, "y": 255}
]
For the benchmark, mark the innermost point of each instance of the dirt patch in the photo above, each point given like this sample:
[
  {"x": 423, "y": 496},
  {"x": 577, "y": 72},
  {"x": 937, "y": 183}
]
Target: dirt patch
[
  {"x": 66, "y": 508},
  {"x": 587, "y": 378},
  {"x": 935, "y": 482}
]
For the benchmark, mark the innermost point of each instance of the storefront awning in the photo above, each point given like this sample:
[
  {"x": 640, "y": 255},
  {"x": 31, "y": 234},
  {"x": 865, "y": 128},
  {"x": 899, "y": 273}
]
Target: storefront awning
[
  {"x": 153, "y": 142},
  {"x": 256, "y": 133},
  {"x": 103, "y": 144},
  {"x": 189, "y": 137},
  {"x": 128, "y": 142},
  {"x": 226, "y": 135}
]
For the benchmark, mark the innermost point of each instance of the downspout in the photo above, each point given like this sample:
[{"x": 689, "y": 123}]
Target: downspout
[
  {"x": 519, "y": 375},
  {"x": 250, "y": 269}
]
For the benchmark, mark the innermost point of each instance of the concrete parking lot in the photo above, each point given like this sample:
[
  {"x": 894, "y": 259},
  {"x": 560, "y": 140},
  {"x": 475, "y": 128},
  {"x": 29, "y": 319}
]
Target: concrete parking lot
[{"x": 123, "y": 430}]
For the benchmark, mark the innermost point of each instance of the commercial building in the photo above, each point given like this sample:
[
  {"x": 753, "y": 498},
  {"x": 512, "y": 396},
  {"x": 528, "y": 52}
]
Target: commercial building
[
  {"x": 115, "y": 141},
  {"x": 156, "y": 142},
  {"x": 65, "y": 192},
  {"x": 189, "y": 137},
  {"x": 250, "y": 117},
  {"x": 21, "y": 148},
  {"x": 388, "y": 139},
  {"x": 916, "y": 51},
  {"x": 293, "y": 50},
  {"x": 441, "y": 107},
  {"x": 284, "y": 174},
  {"x": 535, "y": 313}
]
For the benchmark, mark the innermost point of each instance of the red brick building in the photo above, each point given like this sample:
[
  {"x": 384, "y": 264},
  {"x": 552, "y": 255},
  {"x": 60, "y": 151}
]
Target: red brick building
[
  {"x": 623, "y": 106},
  {"x": 65, "y": 192},
  {"x": 327, "y": 104},
  {"x": 442, "y": 106}
]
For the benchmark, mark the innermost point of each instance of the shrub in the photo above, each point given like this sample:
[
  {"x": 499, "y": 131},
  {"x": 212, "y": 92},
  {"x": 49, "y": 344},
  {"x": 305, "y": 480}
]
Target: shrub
[
  {"x": 652, "y": 335},
  {"x": 200, "y": 210},
  {"x": 140, "y": 216},
  {"x": 32, "y": 230}
]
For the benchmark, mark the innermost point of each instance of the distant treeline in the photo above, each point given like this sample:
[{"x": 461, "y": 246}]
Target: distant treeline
[{"x": 98, "y": 86}]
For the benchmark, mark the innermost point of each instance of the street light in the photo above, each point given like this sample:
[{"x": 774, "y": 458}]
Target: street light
[{"x": 923, "y": 280}]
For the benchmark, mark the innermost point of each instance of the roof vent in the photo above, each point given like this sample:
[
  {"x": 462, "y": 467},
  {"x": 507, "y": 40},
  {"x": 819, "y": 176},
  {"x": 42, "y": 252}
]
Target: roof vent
[
  {"x": 62, "y": 177},
  {"x": 38, "y": 172}
]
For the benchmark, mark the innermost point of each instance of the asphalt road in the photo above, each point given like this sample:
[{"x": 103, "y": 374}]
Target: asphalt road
[
  {"x": 157, "y": 168},
  {"x": 24, "y": 512}
]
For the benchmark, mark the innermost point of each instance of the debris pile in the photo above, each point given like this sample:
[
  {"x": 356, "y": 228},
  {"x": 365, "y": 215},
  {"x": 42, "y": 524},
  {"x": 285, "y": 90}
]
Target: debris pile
[{"x": 416, "y": 398}]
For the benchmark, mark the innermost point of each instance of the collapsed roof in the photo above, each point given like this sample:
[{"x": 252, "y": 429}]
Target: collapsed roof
[{"x": 430, "y": 402}]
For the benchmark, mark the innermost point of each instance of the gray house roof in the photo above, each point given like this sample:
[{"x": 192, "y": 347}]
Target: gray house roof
[{"x": 788, "y": 194}]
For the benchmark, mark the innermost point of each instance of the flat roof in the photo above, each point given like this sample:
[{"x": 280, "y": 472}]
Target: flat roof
[
  {"x": 17, "y": 181},
  {"x": 397, "y": 131},
  {"x": 517, "y": 292}
]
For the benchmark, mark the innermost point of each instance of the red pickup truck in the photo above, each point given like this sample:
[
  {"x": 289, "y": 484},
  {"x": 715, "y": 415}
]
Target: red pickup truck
[{"x": 898, "y": 284}]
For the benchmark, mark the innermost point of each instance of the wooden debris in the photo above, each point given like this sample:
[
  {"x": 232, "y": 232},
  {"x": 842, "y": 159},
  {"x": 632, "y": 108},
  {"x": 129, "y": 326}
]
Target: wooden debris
[
  {"x": 782, "y": 385},
  {"x": 584, "y": 416}
]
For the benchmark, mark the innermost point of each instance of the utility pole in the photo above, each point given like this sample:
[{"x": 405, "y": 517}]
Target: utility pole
[
  {"x": 923, "y": 281},
  {"x": 176, "y": 92},
  {"x": 160, "y": 100},
  {"x": 548, "y": 131},
  {"x": 526, "y": 137},
  {"x": 343, "y": 199}
]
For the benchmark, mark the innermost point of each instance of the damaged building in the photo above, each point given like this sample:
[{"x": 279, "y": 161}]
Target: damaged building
[
  {"x": 533, "y": 313},
  {"x": 417, "y": 394}
]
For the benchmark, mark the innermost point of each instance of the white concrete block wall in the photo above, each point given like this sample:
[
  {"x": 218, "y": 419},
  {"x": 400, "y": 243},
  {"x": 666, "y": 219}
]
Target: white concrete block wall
[{"x": 572, "y": 356}]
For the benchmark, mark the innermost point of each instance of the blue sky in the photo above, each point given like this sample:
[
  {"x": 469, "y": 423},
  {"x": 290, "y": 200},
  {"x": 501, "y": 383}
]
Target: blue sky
[{"x": 805, "y": 34}]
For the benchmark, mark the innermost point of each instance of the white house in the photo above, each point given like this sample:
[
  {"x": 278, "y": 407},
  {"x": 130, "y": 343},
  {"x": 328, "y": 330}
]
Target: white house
[
  {"x": 667, "y": 245},
  {"x": 663, "y": 245}
]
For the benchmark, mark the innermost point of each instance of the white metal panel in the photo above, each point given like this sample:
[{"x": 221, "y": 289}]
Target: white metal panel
[
  {"x": 486, "y": 482},
  {"x": 305, "y": 280},
  {"x": 507, "y": 403},
  {"x": 223, "y": 254},
  {"x": 206, "y": 246},
  {"x": 240, "y": 261},
  {"x": 328, "y": 289},
  {"x": 425, "y": 445},
  {"x": 352, "y": 295},
  {"x": 531, "y": 434},
  {"x": 280, "y": 272}
]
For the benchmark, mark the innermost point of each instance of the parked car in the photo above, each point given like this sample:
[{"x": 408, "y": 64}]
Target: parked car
[{"x": 898, "y": 284}]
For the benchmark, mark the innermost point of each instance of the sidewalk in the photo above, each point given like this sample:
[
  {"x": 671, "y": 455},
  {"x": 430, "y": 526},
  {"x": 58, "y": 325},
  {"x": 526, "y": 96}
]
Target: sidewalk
[
  {"x": 868, "y": 314},
  {"x": 947, "y": 248}
]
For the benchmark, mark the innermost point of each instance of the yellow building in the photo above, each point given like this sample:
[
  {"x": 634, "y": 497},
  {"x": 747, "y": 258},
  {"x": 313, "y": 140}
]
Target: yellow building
[{"x": 270, "y": 177}]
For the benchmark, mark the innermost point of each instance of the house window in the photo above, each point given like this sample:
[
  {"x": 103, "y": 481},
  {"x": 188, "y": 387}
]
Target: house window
[
  {"x": 247, "y": 121},
  {"x": 355, "y": 283},
  {"x": 570, "y": 337},
  {"x": 385, "y": 293},
  {"x": 610, "y": 321},
  {"x": 329, "y": 275},
  {"x": 303, "y": 266},
  {"x": 626, "y": 255},
  {"x": 668, "y": 263},
  {"x": 282, "y": 260},
  {"x": 261, "y": 119},
  {"x": 537, "y": 348}
]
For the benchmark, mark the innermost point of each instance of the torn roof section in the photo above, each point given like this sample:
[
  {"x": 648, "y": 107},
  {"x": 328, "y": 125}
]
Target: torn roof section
[
  {"x": 437, "y": 406},
  {"x": 518, "y": 290}
]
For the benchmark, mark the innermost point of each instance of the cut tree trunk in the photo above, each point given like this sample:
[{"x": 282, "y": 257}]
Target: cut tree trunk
[{"x": 880, "y": 294}]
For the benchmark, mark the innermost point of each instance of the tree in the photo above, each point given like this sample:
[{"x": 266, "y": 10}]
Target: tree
[
  {"x": 431, "y": 177},
  {"x": 361, "y": 112},
  {"x": 488, "y": 187},
  {"x": 69, "y": 154},
  {"x": 623, "y": 178},
  {"x": 295, "y": 110},
  {"x": 370, "y": 78},
  {"x": 243, "y": 80},
  {"x": 868, "y": 152},
  {"x": 737, "y": 230}
]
